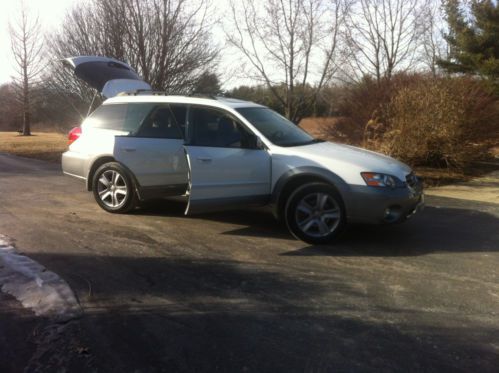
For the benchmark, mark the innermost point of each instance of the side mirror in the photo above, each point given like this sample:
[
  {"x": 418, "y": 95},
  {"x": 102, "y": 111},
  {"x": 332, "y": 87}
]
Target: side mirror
[{"x": 254, "y": 142}]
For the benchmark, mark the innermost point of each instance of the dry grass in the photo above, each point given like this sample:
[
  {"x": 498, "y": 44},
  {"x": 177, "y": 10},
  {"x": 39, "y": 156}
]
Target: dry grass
[
  {"x": 337, "y": 129},
  {"x": 316, "y": 126},
  {"x": 46, "y": 146}
]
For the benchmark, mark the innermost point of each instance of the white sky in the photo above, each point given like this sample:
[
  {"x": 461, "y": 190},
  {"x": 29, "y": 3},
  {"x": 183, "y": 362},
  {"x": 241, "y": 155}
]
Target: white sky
[
  {"x": 231, "y": 68},
  {"x": 50, "y": 12}
]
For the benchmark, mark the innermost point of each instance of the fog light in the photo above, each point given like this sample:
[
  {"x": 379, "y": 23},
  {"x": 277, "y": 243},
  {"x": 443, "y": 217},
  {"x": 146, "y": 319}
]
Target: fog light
[{"x": 392, "y": 213}]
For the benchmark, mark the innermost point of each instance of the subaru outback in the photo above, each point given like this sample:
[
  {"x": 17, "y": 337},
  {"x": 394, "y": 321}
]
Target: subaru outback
[{"x": 222, "y": 153}]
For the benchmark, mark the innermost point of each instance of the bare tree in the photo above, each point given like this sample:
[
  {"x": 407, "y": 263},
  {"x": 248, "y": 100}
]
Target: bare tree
[
  {"x": 27, "y": 45},
  {"x": 383, "y": 36},
  {"x": 168, "y": 42},
  {"x": 434, "y": 46},
  {"x": 290, "y": 46}
]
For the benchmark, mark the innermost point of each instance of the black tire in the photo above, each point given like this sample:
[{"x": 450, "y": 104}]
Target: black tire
[
  {"x": 315, "y": 213},
  {"x": 115, "y": 202}
]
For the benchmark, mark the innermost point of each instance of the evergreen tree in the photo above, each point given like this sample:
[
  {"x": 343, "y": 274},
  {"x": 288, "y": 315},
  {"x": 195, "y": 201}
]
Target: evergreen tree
[
  {"x": 208, "y": 83},
  {"x": 473, "y": 38}
]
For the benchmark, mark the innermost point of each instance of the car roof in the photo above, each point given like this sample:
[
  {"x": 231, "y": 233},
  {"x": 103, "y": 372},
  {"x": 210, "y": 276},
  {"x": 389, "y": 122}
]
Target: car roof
[{"x": 157, "y": 98}]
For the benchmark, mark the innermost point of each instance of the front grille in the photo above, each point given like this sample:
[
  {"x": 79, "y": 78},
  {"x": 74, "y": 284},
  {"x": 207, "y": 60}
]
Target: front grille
[{"x": 411, "y": 179}]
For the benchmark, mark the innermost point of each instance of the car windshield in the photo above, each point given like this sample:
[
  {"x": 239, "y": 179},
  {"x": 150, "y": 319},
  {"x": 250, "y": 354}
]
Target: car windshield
[{"x": 275, "y": 127}]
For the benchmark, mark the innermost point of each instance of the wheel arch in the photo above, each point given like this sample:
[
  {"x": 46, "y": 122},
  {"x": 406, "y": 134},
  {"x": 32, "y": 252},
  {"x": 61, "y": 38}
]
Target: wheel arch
[
  {"x": 94, "y": 166},
  {"x": 294, "y": 178},
  {"x": 106, "y": 159}
]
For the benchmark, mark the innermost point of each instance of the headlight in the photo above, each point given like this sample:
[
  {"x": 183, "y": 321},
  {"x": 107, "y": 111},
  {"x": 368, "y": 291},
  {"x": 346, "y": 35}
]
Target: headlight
[{"x": 379, "y": 180}]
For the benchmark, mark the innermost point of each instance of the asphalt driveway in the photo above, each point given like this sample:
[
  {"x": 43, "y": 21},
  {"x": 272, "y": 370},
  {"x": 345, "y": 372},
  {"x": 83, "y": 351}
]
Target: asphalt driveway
[{"x": 234, "y": 292}]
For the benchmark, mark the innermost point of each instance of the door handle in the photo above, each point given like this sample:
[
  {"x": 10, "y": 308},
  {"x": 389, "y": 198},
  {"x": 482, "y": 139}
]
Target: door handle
[
  {"x": 128, "y": 150},
  {"x": 203, "y": 159}
]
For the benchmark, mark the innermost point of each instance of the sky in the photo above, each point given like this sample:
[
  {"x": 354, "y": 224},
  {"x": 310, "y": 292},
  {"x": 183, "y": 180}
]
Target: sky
[{"x": 50, "y": 13}]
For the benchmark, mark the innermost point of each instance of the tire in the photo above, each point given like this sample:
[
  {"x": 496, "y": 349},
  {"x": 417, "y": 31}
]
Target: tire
[
  {"x": 113, "y": 188},
  {"x": 315, "y": 213}
]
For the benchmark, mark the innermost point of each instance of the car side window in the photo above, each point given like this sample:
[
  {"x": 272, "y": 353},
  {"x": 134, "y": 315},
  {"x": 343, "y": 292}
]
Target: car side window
[
  {"x": 135, "y": 116},
  {"x": 110, "y": 117},
  {"x": 215, "y": 128},
  {"x": 160, "y": 123}
]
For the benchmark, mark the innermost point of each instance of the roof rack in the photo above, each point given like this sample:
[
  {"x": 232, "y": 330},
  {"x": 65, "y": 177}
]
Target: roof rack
[
  {"x": 138, "y": 92},
  {"x": 148, "y": 92}
]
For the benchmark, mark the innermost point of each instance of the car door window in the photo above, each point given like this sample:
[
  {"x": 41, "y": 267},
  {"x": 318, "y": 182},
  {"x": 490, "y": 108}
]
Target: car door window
[
  {"x": 160, "y": 123},
  {"x": 179, "y": 111},
  {"x": 215, "y": 128}
]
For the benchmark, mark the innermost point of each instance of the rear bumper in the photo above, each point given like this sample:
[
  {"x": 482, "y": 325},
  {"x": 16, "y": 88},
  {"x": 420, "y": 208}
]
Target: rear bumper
[{"x": 384, "y": 206}]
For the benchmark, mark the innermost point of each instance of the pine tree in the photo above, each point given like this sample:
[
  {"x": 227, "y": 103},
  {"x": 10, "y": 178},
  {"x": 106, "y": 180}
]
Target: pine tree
[{"x": 473, "y": 38}]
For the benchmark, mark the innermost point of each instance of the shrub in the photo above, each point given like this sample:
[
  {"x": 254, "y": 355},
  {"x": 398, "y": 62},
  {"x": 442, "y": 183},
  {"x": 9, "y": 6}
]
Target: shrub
[
  {"x": 369, "y": 99},
  {"x": 441, "y": 122}
]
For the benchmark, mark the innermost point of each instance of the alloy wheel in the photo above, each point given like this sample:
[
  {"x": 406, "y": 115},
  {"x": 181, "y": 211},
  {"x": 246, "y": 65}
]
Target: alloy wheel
[
  {"x": 112, "y": 188},
  {"x": 317, "y": 214}
]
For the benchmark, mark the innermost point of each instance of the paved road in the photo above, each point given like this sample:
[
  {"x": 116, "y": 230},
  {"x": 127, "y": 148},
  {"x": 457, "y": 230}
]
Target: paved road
[{"x": 234, "y": 292}]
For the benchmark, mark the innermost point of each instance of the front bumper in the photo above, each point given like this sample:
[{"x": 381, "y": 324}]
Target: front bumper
[{"x": 384, "y": 205}]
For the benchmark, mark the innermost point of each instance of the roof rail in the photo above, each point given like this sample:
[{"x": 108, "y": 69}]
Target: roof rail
[
  {"x": 203, "y": 95},
  {"x": 164, "y": 93},
  {"x": 141, "y": 91}
]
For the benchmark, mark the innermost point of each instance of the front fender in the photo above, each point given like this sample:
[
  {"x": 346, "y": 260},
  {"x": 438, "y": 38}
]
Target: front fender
[{"x": 311, "y": 173}]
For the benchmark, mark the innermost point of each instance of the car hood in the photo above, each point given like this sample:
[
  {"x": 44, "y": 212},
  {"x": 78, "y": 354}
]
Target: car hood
[{"x": 334, "y": 156}]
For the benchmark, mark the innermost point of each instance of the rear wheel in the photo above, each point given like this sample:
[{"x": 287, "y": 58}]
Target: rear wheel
[
  {"x": 113, "y": 188},
  {"x": 315, "y": 213}
]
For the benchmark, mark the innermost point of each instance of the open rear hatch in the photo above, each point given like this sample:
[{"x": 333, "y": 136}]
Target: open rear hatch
[{"x": 109, "y": 76}]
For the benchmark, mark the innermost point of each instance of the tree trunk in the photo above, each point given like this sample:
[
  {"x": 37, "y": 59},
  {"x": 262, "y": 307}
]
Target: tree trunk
[{"x": 26, "y": 108}]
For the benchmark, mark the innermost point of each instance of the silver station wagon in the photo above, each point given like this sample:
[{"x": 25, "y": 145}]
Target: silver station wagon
[{"x": 221, "y": 153}]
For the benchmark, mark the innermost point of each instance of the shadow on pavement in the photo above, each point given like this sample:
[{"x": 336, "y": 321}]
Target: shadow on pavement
[
  {"x": 436, "y": 229},
  {"x": 165, "y": 315}
]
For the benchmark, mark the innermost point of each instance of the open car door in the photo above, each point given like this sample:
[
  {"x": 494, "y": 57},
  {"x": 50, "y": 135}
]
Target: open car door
[
  {"x": 109, "y": 76},
  {"x": 228, "y": 168}
]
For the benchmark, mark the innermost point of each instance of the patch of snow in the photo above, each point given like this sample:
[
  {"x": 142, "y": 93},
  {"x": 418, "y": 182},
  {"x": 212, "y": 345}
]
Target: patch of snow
[{"x": 37, "y": 288}]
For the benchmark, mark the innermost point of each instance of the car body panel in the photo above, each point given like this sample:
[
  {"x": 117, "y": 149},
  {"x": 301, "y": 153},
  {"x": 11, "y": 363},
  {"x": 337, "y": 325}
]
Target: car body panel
[
  {"x": 153, "y": 161},
  {"x": 93, "y": 144},
  {"x": 345, "y": 161},
  {"x": 227, "y": 176}
]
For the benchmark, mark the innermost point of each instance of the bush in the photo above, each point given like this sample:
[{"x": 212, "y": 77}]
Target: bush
[
  {"x": 367, "y": 100},
  {"x": 440, "y": 122}
]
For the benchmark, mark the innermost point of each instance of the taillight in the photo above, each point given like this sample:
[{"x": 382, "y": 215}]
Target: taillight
[{"x": 74, "y": 135}]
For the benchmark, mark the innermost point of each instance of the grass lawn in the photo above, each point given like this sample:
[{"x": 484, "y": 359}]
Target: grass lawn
[{"x": 47, "y": 146}]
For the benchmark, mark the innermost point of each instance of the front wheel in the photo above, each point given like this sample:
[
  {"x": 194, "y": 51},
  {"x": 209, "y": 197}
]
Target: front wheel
[
  {"x": 113, "y": 188},
  {"x": 315, "y": 213}
]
